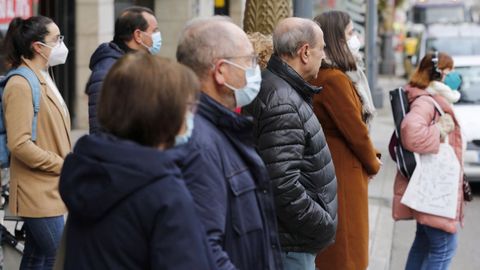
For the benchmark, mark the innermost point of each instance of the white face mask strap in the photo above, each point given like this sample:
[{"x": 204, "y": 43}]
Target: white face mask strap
[{"x": 40, "y": 53}]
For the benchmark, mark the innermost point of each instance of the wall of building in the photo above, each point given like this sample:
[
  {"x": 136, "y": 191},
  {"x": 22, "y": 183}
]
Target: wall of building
[
  {"x": 172, "y": 16},
  {"x": 94, "y": 25}
]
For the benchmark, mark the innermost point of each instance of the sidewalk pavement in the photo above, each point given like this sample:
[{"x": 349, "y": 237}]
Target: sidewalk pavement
[{"x": 381, "y": 187}]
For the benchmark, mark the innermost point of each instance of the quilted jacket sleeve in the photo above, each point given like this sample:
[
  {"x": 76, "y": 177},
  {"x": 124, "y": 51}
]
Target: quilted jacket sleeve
[
  {"x": 93, "y": 96},
  {"x": 281, "y": 143},
  {"x": 418, "y": 130}
]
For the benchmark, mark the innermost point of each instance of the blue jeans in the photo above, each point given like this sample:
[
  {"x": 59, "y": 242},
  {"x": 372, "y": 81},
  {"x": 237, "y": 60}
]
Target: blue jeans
[
  {"x": 298, "y": 261},
  {"x": 43, "y": 238},
  {"x": 432, "y": 249}
]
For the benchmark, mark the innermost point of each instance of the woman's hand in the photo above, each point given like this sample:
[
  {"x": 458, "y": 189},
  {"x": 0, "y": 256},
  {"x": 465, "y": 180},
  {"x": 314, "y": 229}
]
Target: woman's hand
[{"x": 370, "y": 177}]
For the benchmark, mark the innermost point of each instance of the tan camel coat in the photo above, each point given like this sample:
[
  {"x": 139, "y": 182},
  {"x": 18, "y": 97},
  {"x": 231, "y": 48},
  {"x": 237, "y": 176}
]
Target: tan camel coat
[{"x": 35, "y": 166}]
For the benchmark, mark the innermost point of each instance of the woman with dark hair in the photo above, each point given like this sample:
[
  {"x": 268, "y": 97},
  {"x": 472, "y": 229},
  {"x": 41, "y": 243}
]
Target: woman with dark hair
[
  {"x": 35, "y": 44},
  {"x": 128, "y": 205},
  {"x": 339, "y": 108},
  {"x": 422, "y": 131}
]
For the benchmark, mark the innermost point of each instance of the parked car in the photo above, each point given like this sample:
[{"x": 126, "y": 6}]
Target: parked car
[
  {"x": 467, "y": 111},
  {"x": 454, "y": 39},
  {"x": 446, "y": 11}
]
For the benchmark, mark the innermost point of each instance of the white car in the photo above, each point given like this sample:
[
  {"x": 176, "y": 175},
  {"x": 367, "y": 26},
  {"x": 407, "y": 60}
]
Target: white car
[{"x": 467, "y": 111}]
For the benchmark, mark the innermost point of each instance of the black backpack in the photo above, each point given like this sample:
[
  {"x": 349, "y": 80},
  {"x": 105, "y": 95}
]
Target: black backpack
[{"x": 405, "y": 159}]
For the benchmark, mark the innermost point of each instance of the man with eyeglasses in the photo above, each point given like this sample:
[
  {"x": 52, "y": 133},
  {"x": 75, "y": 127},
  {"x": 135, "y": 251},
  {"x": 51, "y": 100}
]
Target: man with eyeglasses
[
  {"x": 136, "y": 29},
  {"x": 291, "y": 142},
  {"x": 225, "y": 175}
]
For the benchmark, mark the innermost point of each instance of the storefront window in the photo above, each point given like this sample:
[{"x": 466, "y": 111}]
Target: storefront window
[{"x": 10, "y": 9}]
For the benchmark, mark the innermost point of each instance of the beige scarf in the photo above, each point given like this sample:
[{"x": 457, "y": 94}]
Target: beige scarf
[{"x": 360, "y": 83}]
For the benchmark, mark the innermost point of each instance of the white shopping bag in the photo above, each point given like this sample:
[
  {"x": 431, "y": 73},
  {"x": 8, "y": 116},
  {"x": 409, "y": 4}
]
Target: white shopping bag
[{"x": 433, "y": 187}]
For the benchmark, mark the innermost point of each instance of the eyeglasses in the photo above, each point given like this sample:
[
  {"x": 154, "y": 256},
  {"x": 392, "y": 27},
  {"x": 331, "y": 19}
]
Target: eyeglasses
[
  {"x": 57, "y": 41},
  {"x": 253, "y": 58}
]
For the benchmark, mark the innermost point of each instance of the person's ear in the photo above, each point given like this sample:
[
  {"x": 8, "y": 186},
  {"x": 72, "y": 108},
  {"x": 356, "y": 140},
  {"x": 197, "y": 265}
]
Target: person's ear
[
  {"x": 304, "y": 53},
  {"x": 137, "y": 36},
  {"x": 219, "y": 72},
  {"x": 37, "y": 47}
]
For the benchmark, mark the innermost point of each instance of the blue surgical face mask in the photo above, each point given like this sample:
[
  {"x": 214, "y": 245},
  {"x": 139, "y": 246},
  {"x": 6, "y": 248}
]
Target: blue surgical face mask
[
  {"x": 453, "y": 80},
  {"x": 156, "y": 43},
  {"x": 183, "y": 138},
  {"x": 249, "y": 92}
]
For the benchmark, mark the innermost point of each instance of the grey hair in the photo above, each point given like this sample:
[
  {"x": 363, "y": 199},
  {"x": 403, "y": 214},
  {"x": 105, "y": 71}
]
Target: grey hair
[
  {"x": 202, "y": 41},
  {"x": 288, "y": 38}
]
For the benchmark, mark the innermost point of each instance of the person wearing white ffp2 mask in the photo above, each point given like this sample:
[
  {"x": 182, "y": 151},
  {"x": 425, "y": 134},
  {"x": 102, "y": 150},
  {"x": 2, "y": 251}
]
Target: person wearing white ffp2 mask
[
  {"x": 58, "y": 53},
  {"x": 36, "y": 159},
  {"x": 354, "y": 44},
  {"x": 57, "y": 56}
]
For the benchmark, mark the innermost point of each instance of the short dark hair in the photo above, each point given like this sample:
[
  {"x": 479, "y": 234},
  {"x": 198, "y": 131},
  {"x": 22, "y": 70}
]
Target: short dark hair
[
  {"x": 130, "y": 20},
  {"x": 20, "y": 36},
  {"x": 423, "y": 75},
  {"x": 146, "y": 104},
  {"x": 333, "y": 24}
]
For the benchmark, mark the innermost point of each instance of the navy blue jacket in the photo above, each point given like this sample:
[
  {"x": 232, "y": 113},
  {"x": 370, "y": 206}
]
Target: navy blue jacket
[
  {"x": 231, "y": 190},
  {"x": 100, "y": 63},
  {"x": 129, "y": 209}
]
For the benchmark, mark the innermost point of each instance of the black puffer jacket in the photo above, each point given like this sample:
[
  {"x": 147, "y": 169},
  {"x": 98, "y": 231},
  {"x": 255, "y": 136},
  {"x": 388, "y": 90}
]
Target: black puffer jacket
[{"x": 291, "y": 142}]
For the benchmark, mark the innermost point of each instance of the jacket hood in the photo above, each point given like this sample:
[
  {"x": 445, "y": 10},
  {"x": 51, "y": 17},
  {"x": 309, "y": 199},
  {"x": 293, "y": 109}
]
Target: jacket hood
[
  {"x": 440, "y": 88},
  {"x": 103, "y": 170},
  {"x": 100, "y": 63},
  {"x": 104, "y": 51},
  {"x": 414, "y": 92}
]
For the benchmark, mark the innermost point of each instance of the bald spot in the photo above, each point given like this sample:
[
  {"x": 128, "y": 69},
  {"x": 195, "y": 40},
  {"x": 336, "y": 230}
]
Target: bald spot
[{"x": 288, "y": 24}]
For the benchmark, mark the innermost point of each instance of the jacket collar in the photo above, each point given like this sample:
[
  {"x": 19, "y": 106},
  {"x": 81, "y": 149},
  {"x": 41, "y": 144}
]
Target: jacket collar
[
  {"x": 221, "y": 116},
  {"x": 287, "y": 73},
  {"x": 35, "y": 70},
  {"x": 49, "y": 93},
  {"x": 437, "y": 87}
]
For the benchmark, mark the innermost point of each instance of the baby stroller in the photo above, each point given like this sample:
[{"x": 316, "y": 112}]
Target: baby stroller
[{"x": 12, "y": 234}]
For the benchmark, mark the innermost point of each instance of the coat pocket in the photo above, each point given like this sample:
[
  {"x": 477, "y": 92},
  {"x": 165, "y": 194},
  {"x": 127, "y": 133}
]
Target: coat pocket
[{"x": 245, "y": 210}]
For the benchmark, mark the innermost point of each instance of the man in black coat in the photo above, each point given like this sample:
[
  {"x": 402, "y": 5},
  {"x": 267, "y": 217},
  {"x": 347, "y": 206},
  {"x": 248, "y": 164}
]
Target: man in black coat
[
  {"x": 225, "y": 175},
  {"x": 133, "y": 32},
  {"x": 291, "y": 142}
]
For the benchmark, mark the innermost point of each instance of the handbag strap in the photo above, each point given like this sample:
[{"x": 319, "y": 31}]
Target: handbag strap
[{"x": 438, "y": 107}]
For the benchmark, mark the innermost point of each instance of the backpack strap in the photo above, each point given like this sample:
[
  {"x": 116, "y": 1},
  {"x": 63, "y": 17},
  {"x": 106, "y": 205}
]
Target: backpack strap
[
  {"x": 437, "y": 106},
  {"x": 34, "y": 83}
]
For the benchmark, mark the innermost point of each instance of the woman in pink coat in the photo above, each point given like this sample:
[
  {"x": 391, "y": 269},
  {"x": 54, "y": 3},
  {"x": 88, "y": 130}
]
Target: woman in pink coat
[{"x": 422, "y": 131}]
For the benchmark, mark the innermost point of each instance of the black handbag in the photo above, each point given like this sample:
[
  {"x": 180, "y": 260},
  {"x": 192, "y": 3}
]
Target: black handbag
[{"x": 467, "y": 190}]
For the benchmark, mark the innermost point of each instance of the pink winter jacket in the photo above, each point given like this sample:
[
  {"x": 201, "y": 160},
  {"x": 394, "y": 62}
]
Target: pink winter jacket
[{"x": 419, "y": 134}]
